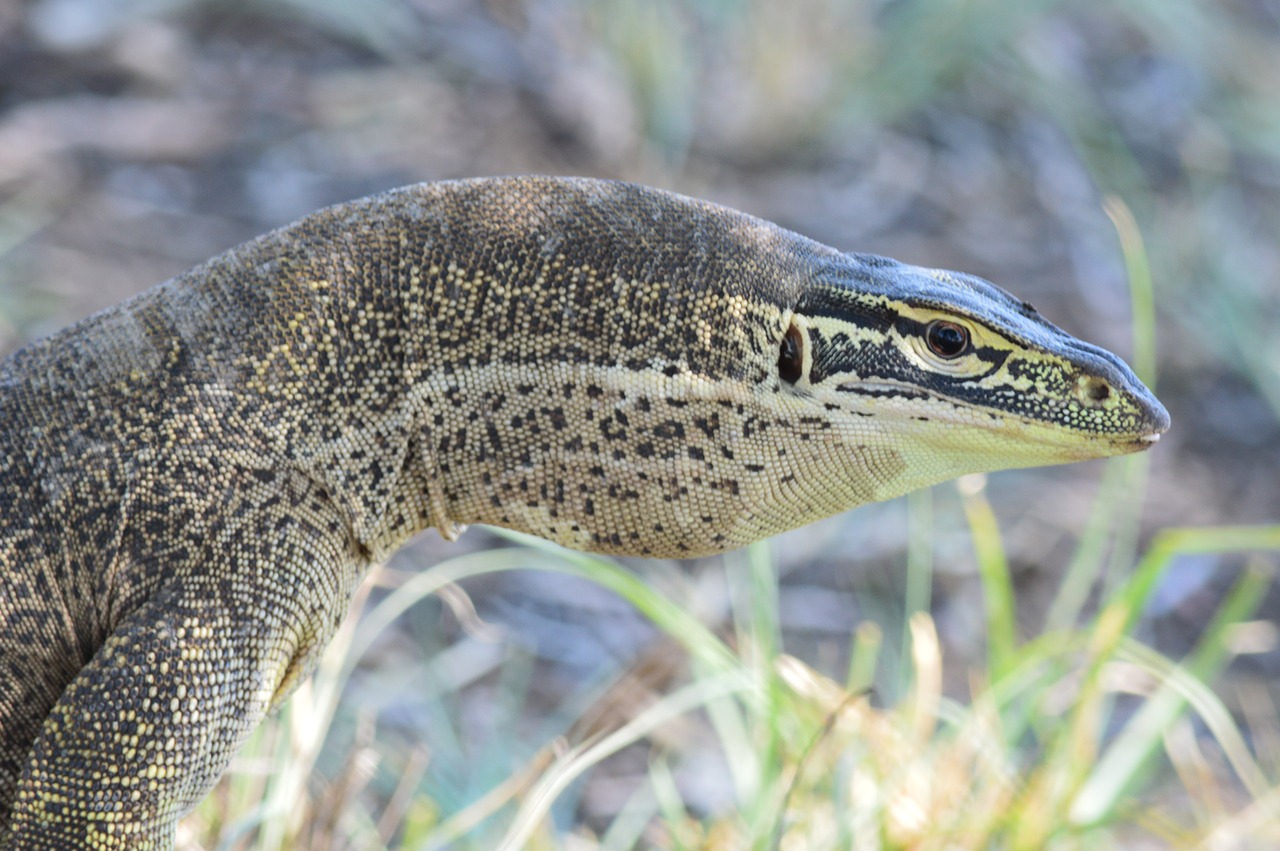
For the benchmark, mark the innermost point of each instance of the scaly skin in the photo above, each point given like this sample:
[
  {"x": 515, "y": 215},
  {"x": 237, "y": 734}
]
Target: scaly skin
[{"x": 193, "y": 483}]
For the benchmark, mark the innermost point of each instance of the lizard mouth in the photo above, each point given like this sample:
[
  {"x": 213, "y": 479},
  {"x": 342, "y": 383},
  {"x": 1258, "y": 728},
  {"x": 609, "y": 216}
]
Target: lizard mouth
[
  {"x": 886, "y": 389},
  {"x": 1133, "y": 445},
  {"x": 1145, "y": 442}
]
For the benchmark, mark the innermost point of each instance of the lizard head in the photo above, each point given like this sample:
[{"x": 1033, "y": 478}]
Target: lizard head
[{"x": 955, "y": 375}]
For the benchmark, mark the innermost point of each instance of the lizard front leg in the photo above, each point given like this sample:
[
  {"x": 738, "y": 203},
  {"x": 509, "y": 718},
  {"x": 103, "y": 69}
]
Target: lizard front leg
[{"x": 146, "y": 728}]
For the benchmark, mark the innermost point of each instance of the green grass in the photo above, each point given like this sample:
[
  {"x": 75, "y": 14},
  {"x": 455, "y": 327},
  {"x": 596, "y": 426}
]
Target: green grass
[{"x": 1038, "y": 755}]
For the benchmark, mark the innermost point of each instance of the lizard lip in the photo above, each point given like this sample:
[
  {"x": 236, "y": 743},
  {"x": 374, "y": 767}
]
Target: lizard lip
[{"x": 1139, "y": 443}]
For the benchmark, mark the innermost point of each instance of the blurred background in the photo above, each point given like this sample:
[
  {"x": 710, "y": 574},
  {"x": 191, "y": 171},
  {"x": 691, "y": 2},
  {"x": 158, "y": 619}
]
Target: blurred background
[{"x": 139, "y": 137}]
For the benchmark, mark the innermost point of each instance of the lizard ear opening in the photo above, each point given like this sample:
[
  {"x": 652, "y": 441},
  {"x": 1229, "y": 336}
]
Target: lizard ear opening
[{"x": 791, "y": 355}]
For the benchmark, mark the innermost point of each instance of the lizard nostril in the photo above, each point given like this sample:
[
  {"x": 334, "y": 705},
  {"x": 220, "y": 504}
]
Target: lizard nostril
[{"x": 1091, "y": 389}]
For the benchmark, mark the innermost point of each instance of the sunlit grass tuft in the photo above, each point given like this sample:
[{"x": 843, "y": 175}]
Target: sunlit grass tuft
[{"x": 1085, "y": 736}]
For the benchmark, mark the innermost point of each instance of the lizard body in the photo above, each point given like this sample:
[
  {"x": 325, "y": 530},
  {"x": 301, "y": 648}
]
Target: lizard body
[{"x": 193, "y": 483}]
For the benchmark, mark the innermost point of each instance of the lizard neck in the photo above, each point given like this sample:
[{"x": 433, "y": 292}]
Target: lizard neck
[
  {"x": 469, "y": 357},
  {"x": 623, "y": 461}
]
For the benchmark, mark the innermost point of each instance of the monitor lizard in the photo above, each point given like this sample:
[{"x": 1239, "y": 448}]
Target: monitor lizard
[{"x": 193, "y": 483}]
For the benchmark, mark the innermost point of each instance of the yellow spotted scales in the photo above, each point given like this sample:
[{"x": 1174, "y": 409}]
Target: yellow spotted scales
[{"x": 193, "y": 483}]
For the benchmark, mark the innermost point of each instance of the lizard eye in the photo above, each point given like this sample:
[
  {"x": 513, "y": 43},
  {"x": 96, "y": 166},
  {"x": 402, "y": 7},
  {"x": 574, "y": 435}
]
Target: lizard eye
[
  {"x": 791, "y": 356},
  {"x": 946, "y": 339}
]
